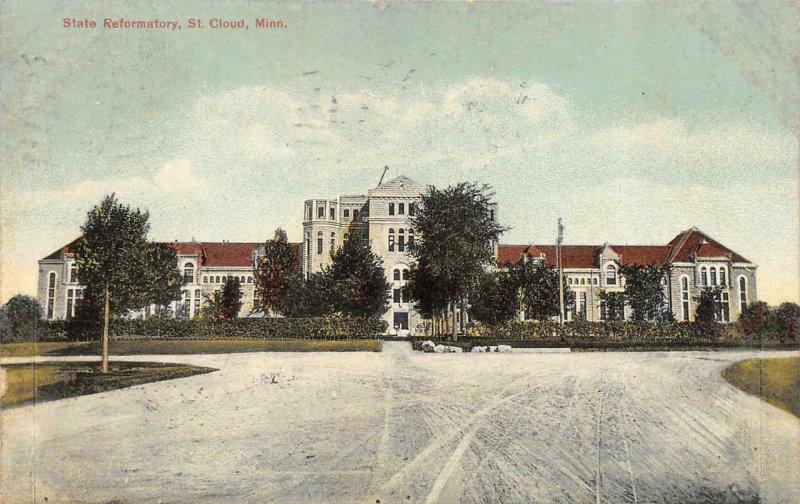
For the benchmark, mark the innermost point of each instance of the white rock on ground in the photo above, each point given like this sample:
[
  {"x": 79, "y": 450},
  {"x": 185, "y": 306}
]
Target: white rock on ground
[{"x": 398, "y": 426}]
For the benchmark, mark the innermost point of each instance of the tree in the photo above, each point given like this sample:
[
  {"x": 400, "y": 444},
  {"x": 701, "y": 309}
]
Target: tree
[
  {"x": 709, "y": 307},
  {"x": 755, "y": 320},
  {"x": 112, "y": 259},
  {"x": 163, "y": 278},
  {"x": 224, "y": 305},
  {"x": 306, "y": 298},
  {"x": 495, "y": 299},
  {"x": 787, "y": 322},
  {"x": 356, "y": 281},
  {"x": 538, "y": 284},
  {"x": 19, "y": 319},
  {"x": 274, "y": 271},
  {"x": 457, "y": 233},
  {"x": 87, "y": 324},
  {"x": 614, "y": 305},
  {"x": 427, "y": 294},
  {"x": 645, "y": 292}
]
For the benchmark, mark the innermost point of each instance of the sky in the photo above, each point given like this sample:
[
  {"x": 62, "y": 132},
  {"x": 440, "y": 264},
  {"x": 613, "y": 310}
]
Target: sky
[{"x": 631, "y": 121}]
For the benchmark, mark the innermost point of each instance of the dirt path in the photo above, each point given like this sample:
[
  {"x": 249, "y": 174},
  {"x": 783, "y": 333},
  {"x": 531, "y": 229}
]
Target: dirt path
[{"x": 399, "y": 426}]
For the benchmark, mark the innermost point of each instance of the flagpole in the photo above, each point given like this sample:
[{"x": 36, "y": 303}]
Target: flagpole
[{"x": 560, "y": 272}]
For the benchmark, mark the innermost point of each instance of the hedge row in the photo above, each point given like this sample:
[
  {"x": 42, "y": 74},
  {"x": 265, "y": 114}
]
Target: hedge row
[
  {"x": 324, "y": 328},
  {"x": 609, "y": 332}
]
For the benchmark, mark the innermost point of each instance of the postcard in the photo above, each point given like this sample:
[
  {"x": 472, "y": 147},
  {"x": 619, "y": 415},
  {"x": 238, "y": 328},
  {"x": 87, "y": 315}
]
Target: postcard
[{"x": 399, "y": 251}]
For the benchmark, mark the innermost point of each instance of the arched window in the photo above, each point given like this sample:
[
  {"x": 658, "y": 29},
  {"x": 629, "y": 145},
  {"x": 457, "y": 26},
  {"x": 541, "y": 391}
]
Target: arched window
[
  {"x": 611, "y": 275},
  {"x": 703, "y": 276},
  {"x": 205, "y": 279},
  {"x": 569, "y": 281},
  {"x": 594, "y": 281},
  {"x": 742, "y": 293},
  {"x": 188, "y": 273},
  {"x": 391, "y": 208},
  {"x": 217, "y": 279},
  {"x": 51, "y": 294},
  {"x": 713, "y": 276},
  {"x": 397, "y": 274},
  {"x": 401, "y": 240},
  {"x": 405, "y": 274},
  {"x": 333, "y": 242},
  {"x": 391, "y": 239},
  {"x": 583, "y": 281},
  {"x": 319, "y": 242},
  {"x": 249, "y": 279},
  {"x": 723, "y": 277},
  {"x": 685, "y": 299},
  {"x": 224, "y": 279}
]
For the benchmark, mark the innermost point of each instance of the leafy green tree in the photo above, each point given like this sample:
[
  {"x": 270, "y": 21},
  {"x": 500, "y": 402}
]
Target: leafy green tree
[
  {"x": 645, "y": 292},
  {"x": 163, "y": 282},
  {"x": 614, "y": 303},
  {"x": 755, "y": 320},
  {"x": 709, "y": 307},
  {"x": 538, "y": 284},
  {"x": 306, "y": 297},
  {"x": 787, "y": 322},
  {"x": 19, "y": 319},
  {"x": 427, "y": 294},
  {"x": 356, "y": 282},
  {"x": 274, "y": 271},
  {"x": 225, "y": 304},
  {"x": 87, "y": 324},
  {"x": 457, "y": 232},
  {"x": 112, "y": 259},
  {"x": 495, "y": 299}
]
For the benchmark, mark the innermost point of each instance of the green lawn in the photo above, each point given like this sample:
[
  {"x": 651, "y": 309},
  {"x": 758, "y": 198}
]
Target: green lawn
[
  {"x": 776, "y": 381},
  {"x": 47, "y": 382},
  {"x": 185, "y": 347}
]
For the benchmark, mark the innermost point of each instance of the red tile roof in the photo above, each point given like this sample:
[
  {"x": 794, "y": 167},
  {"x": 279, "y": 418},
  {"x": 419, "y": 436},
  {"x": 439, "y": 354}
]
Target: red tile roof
[
  {"x": 694, "y": 243},
  {"x": 225, "y": 254},
  {"x": 683, "y": 248}
]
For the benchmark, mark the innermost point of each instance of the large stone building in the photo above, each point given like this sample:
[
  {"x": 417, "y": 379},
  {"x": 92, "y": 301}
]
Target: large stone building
[
  {"x": 382, "y": 216},
  {"x": 696, "y": 262},
  {"x": 204, "y": 269}
]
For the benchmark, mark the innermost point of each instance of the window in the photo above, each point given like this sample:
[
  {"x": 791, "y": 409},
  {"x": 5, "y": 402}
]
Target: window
[
  {"x": 205, "y": 279},
  {"x": 224, "y": 279},
  {"x": 602, "y": 310},
  {"x": 405, "y": 275},
  {"x": 583, "y": 281},
  {"x": 397, "y": 274},
  {"x": 401, "y": 241},
  {"x": 51, "y": 294},
  {"x": 217, "y": 279},
  {"x": 583, "y": 305},
  {"x": 725, "y": 307},
  {"x": 703, "y": 276},
  {"x": 71, "y": 301},
  {"x": 188, "y": 273},
  {"x": 723, "y": 277},
  {"x": 412, "y": 209},
  {"x": 569, "y": 281},
  {"x": 401, "y": 208},
  {"x": 396, "y": 295},
  {"x": 346, "y": 213},
  {"x": 308, "y": 246},
  {"x": 742, "y": 293},
  {"x": 713, "y": 276},
  {"x": 594, "y": 281},
  {"x": 391, "y": 208},
  {"x": 73, "y": 269},
  {"x": 197, "y": 295},
  {"x": 355, "y": 215},
  {"x": 611, "y": 275},
  {"x": 321, "y": 212},
  {"x": 685, "y": 299},
  {"x": 319, "y": 244},
  {"x": 249, "y": 279},
  {"x": 391, "y": 239},
  {"x": 333, "y": 243},
  {"x": 308, "y": 211},
  {"x": 410, "y": 238},
  {"x": 332, "y": 214}
]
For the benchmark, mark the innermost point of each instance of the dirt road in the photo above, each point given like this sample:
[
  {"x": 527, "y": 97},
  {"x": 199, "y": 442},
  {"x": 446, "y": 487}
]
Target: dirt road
[{"x": 399, "y": 426}]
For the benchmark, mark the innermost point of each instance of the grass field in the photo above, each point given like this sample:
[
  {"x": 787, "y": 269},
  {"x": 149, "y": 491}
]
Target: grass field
[
  {"x": 776, "y": 381},
  {"x": 187, "y": 347},
  {"x": 47, "y": 382}
]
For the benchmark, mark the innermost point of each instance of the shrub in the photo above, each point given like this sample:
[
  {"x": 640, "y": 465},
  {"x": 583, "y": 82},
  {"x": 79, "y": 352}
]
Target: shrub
[
  {"x": 325, "y": 328},
  {"x": 19, "y": 319}
]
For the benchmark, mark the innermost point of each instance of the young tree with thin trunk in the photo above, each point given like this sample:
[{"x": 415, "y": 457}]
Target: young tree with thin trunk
[{"x": 112, "y": 259}]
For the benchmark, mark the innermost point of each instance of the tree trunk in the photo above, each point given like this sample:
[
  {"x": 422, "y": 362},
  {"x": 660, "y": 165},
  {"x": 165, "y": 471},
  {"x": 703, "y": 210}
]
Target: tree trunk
[
  {"x": 455, "y": 324},
  {"x": 106, "y": 311}
]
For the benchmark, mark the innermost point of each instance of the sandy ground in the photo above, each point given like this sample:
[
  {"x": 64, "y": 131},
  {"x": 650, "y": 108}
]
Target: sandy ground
[{"x": 399, "y": 426}]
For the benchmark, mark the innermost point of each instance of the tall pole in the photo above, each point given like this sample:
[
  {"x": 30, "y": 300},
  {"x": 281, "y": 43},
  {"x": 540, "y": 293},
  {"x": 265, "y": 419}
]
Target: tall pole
[{"x": 560, "y": 272}]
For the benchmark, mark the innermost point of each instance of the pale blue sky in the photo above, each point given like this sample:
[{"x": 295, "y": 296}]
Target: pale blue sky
[{"x": 632, "y": 121}]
